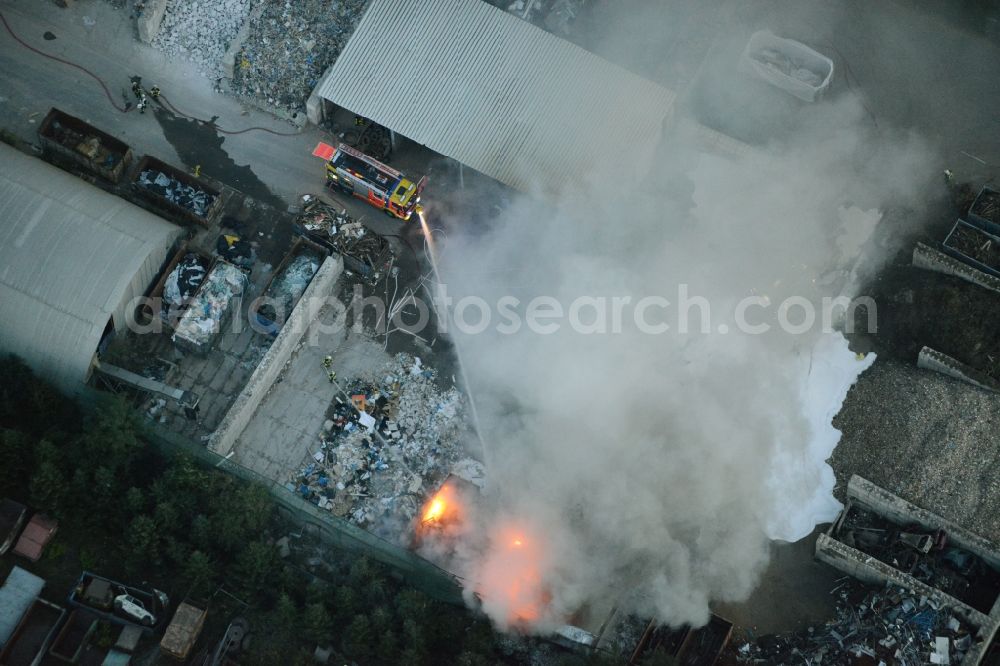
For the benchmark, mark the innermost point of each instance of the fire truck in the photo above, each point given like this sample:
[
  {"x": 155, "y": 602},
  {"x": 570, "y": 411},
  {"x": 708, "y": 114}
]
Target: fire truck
[{"x": 355, "y": 173}]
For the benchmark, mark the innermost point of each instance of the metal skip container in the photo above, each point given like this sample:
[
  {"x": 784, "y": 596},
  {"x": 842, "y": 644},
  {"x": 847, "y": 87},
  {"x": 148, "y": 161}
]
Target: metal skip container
[{"x": 787, "y": 64}]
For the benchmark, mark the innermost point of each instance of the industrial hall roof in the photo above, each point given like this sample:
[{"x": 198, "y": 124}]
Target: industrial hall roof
[
  {"x": 71, "y": 257},
  {"x": 496, "y": 93}
]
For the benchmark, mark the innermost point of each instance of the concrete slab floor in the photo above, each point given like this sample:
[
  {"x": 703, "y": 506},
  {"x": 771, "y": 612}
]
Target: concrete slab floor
[{"x": 285, "y": 430}]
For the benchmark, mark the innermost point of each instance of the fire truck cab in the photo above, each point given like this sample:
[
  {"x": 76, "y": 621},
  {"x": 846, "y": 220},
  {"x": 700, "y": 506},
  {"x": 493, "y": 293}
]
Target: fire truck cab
[{"x": 355, "y": 173}]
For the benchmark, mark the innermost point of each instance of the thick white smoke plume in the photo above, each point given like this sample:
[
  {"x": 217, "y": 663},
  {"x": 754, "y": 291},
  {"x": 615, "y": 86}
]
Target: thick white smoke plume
[{"x": 665, "y": 462}]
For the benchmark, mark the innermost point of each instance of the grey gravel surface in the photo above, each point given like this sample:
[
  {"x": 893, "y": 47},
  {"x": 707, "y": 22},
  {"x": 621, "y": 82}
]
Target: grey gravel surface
[{"x": 930, "y": 439}]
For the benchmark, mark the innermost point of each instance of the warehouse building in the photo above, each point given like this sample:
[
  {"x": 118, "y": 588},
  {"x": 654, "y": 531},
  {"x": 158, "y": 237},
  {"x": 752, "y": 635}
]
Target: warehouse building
[
  {"x": 496, "y": 93},
  {"x": 72, "y": 259}
]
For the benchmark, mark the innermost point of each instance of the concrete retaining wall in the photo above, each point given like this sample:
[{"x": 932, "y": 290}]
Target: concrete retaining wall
[
  {"x": 881, "y": 501},
  {"x": 931, "y": 359},
  {"x": 152, "y": 17},
  {"x": 926, "y": 257},
  {"x": 303, "y": 314},
  {"x": 870, "y": 570},
  {"x": 866, "y": 568},
  {"x": 229, "y": 59},
  {"x": 314, "y": 104}
]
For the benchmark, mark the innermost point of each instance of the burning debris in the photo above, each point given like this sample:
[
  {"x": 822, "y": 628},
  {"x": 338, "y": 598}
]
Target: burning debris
[
  {"x": 890, "y": 625},
  {"x": 925, "y": 555},
  {"x": 398, "y": 436},
  {"x": 192, "y": 198}
]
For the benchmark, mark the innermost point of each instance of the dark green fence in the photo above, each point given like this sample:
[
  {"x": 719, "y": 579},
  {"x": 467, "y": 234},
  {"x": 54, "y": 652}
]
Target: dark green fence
[{"x": 328, "y": 528}]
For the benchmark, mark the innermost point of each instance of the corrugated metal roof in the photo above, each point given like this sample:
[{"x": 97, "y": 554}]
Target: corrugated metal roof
[
  {"x": 494, "y": 92},
  {"x": 68, "y": 252},
  {"x": 16, "y": 595}
]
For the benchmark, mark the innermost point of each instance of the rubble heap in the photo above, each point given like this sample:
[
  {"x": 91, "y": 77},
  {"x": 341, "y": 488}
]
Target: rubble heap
[
  {"x": 384, "y": 452},
  {"x": 364, "y": 251},
  {"x": 201, "y": 30},
  {"x": 890, "y": 625},
  {"x": 289, "y": 46},
  {"x": 192, "y": 198}
]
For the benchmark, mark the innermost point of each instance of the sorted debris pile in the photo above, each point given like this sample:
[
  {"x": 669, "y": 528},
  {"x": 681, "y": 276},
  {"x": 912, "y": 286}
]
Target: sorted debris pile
[
  {"x": 386, "y": 447},
  {"x": 208, "y": 308},
  {"x": 201, "y": 31},
  {"x": 926, "y": 556},
  {"x": 890, "y": 625},
  {"x": 192, "y": 198},
  {"x": 364, "y": 251},
  {"x": 183, "y": 281},
  {"x": 289, "y": 46}
]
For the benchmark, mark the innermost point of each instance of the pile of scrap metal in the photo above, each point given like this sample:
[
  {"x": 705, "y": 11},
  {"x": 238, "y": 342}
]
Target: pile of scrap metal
[
  {"x": 382, "y": 452},
  {"x": 888, "y": 625},
  {"x": 925, "y": 555},
  {"x": 194, "y": 199},
  {"x": 365, "y": 252}
]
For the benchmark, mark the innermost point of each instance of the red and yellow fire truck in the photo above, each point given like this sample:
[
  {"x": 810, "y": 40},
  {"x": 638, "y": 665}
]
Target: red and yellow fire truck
[{"x": 353, "y": 172}]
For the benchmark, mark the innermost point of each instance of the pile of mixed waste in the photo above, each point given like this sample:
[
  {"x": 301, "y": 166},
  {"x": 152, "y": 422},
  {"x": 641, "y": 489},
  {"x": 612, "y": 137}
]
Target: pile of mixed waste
[
  {"x": 207, "y": 310},
  {"x": 288, "y": 47},
  {"x": 192, "y": 198},
  {"x": 183, "y": 281},
  {"x": 889, "y": 625},
  {"x": 287, "y": 288},
  {"x": 387, "y": 447}
]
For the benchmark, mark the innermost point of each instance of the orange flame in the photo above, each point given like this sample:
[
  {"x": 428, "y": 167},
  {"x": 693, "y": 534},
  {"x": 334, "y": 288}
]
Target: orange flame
[
  {"x": 435, "y": 510},
  {"x": 442, "y": 508},
  {"x": 511, "y": 580}
]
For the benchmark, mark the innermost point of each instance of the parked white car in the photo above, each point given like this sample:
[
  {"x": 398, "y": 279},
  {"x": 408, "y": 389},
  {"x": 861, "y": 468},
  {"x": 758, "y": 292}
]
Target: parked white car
[{"x": 133, "y": 608}]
